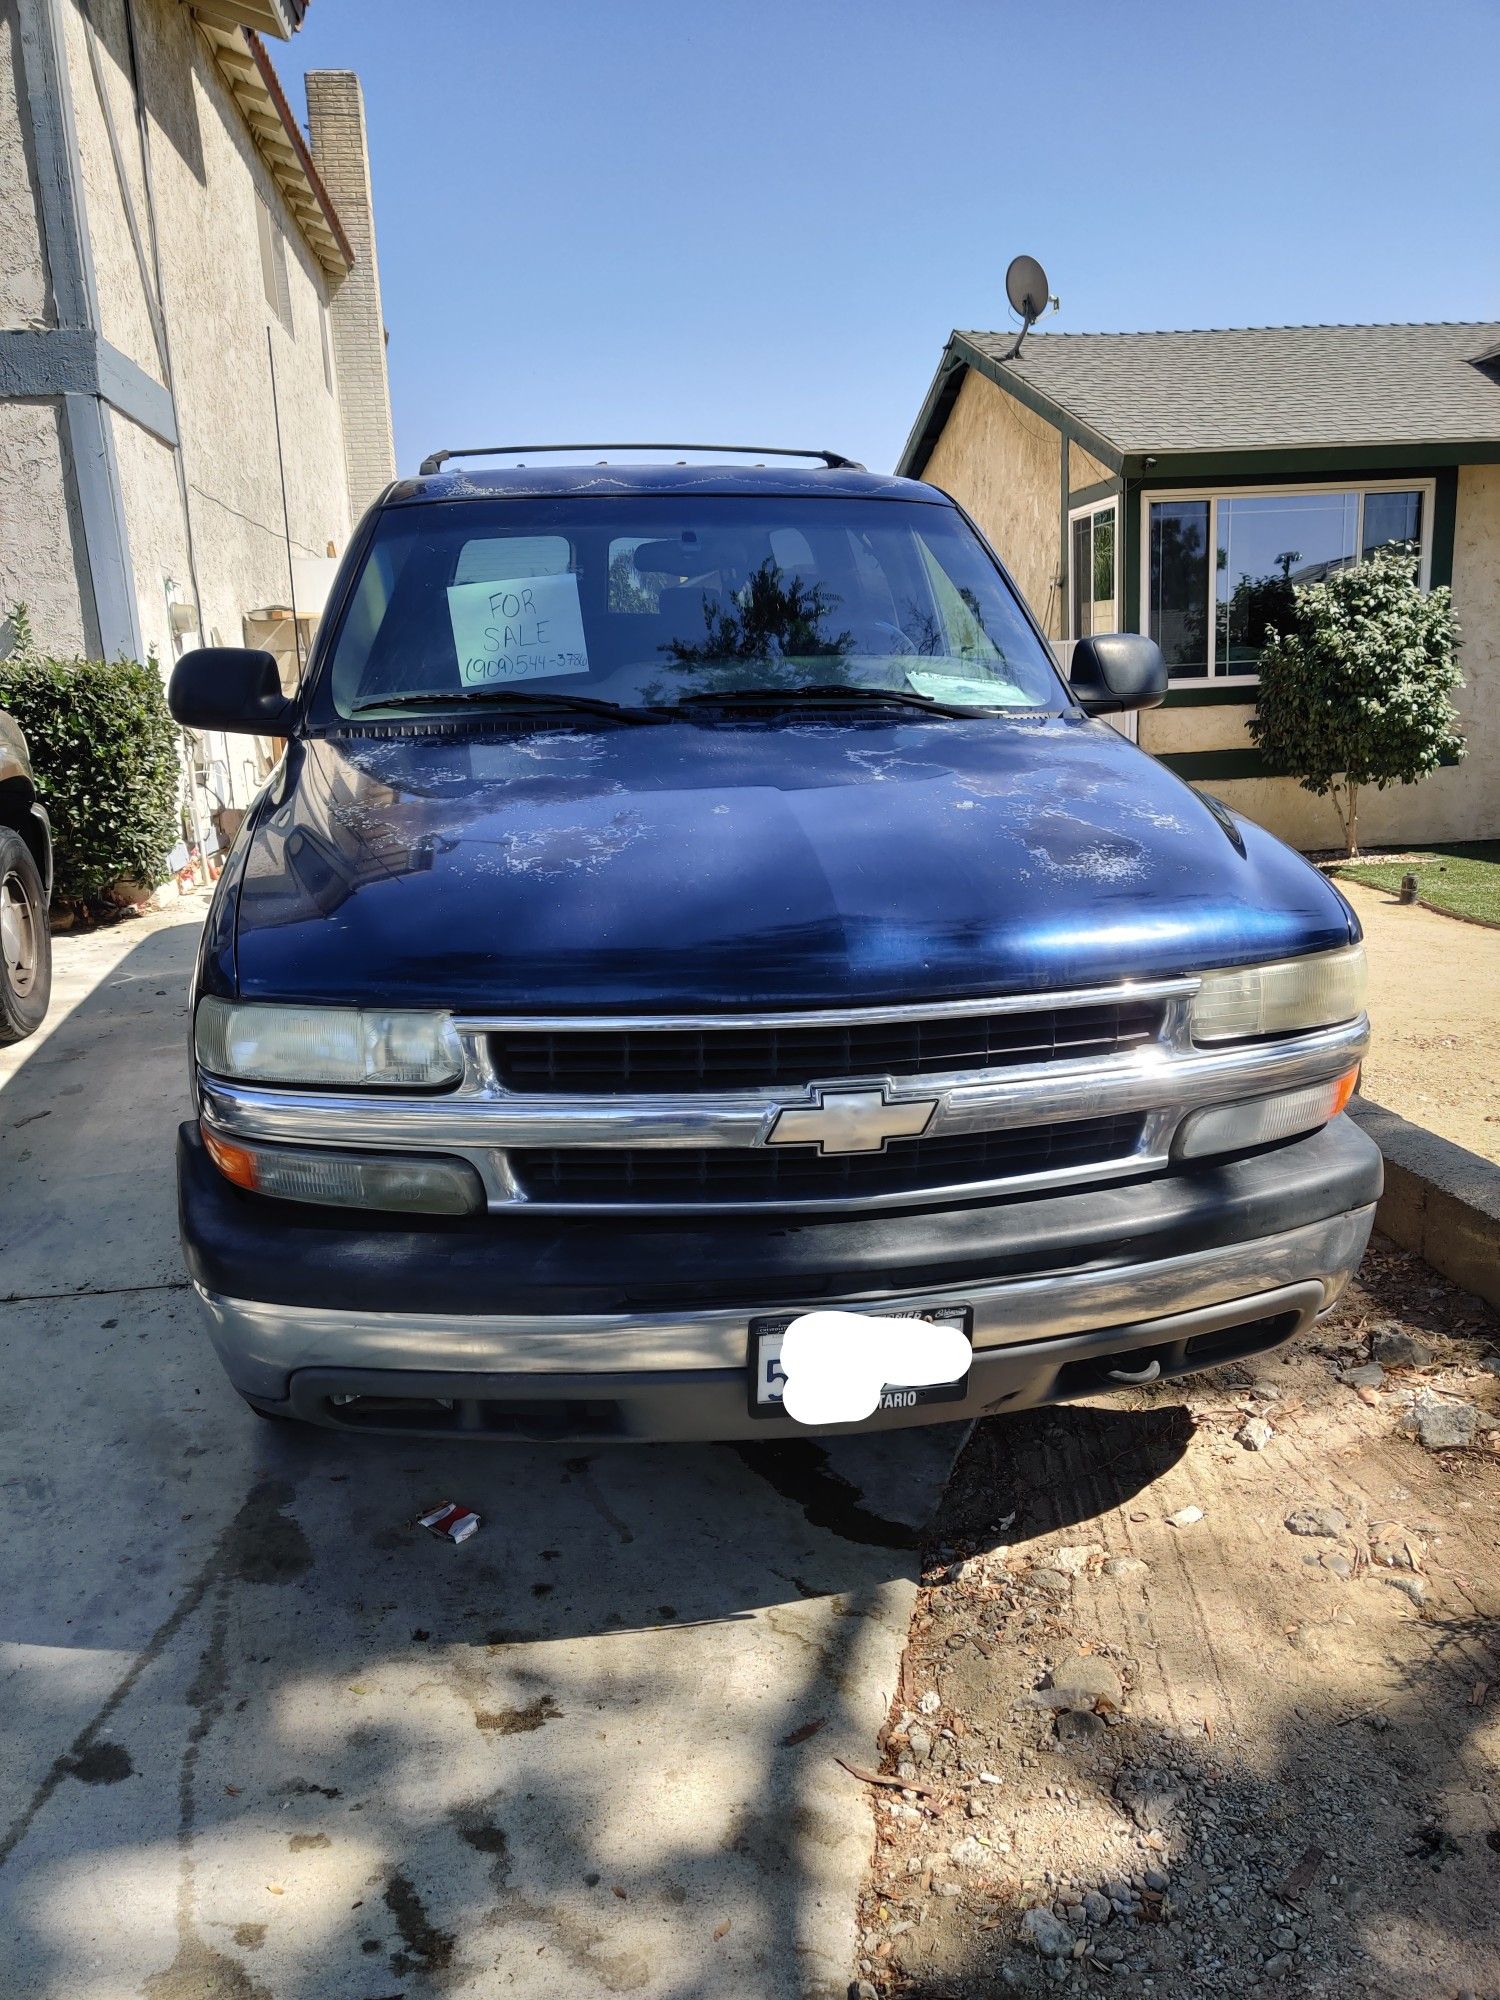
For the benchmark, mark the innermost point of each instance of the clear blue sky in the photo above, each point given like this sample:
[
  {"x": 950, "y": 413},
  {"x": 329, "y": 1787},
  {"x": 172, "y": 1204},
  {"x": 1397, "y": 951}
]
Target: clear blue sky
[{"x": 757, "y": 220}]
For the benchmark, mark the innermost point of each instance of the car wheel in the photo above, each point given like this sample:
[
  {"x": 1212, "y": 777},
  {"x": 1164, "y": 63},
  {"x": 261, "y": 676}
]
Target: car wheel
[{"x": 25, "y": 942}]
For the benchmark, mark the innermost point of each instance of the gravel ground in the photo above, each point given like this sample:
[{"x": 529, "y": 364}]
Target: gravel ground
[{"x": 1202, "y": 1690}]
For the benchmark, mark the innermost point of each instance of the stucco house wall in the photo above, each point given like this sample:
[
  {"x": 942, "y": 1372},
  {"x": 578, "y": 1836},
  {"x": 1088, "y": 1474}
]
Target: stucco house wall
[
  {"x": 224, "y": 335},
  {"x": 1084, "y": 470},
  {"x": 36, "y": 540},
  {"x": 236, "y": 395},
  {"x": 38, "y": 558},
  {"x": 1004, "y": 466}
]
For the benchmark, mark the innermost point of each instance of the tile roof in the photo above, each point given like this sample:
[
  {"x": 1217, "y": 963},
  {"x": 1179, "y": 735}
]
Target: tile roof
[{"x": 1267, "y": 387}]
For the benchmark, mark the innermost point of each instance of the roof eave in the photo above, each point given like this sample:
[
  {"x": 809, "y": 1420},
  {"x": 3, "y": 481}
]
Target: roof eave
[
  {"x": 1278, "y": 457},
  {"x": 280, "y": 18},
  {"x": 250, "y": 76},
  {"x": 959, "y": 356}
]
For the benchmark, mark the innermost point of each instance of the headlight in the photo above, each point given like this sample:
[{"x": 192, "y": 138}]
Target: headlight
[
  {"x": 350, "y": 1046},
  {"x": 1229, "y": 1128},
  {"x": 1277, "y": 999}
]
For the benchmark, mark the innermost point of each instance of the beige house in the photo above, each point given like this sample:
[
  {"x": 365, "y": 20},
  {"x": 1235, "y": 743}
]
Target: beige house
[
  {"x": 193, "y": 398},
  {"x": 1179, "y": 483}
]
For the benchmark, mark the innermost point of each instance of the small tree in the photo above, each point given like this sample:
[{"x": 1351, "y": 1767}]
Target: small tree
[{"x": 1356, "y": 691}]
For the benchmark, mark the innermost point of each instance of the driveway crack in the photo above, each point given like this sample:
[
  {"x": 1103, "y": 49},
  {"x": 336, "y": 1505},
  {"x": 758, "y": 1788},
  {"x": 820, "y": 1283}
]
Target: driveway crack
[{"x": 94, "y": 1292}]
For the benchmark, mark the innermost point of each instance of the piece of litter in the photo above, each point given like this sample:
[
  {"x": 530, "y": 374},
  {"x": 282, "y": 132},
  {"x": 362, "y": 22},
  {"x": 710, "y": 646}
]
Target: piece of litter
[
  {"x": 795, "y": 1736},
  {"x": 1075, "y": 1558},
  {"x": 989, "y": 1778},
  {"x": 897, "y": 1784},
  {"x": 929, "y": 1703},
  {"x": 452, "y": 1522},
  {"x": 721, "y": 1931},
  {"x": 1184, "y": 1517}
]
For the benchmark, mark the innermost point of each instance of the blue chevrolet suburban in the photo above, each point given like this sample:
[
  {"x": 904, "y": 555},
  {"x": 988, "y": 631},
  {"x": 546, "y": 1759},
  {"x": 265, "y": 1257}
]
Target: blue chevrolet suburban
[{"x": 692, "y": 896}]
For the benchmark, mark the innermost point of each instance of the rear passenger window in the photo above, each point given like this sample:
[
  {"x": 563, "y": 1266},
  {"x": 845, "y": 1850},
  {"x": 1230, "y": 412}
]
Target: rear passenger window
[
  {"x": 632, "y": 589},
  {"x": 792, "y": 551},
  {"x": 513, "y": 555}
]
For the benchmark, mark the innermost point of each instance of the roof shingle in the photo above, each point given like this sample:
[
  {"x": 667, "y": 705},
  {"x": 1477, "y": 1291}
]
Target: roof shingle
[{"x": 1268, "y": 387}]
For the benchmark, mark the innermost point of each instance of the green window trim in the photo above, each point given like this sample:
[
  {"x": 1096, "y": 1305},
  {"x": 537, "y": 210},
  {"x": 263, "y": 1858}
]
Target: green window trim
[
  {"x": 1195, "y": 765},
  {"x": 1210, "y": 694}
]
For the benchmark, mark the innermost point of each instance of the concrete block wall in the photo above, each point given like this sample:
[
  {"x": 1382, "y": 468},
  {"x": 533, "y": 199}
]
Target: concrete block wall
[{"x": 336, "y": 126}]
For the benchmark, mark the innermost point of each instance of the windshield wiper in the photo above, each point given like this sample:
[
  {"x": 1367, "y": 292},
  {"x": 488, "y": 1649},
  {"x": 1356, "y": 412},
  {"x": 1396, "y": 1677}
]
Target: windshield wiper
[
  {"x": 583, "y": 704},
  {"x": 823, "y": 694}
]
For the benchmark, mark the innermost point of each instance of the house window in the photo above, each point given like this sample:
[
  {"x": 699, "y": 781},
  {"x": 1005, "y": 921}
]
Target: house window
[
  {"x": 327, "y": 347},
  {"x": 1220, "y": 568},
  {"x": 1092, "y": 571},
  {"x": 273, "y": 271}
]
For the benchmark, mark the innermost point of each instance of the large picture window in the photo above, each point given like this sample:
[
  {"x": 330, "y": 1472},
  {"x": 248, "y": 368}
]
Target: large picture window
[{"x": 1220, "y": 568}]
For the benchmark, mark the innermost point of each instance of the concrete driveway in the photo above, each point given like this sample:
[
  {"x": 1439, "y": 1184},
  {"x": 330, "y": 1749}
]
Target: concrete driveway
[{"x": 263, "y": 1738}]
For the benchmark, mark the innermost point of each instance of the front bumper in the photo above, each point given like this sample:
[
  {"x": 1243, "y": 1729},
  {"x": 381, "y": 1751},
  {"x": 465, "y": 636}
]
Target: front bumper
[{"x": 638, "y": 1330}]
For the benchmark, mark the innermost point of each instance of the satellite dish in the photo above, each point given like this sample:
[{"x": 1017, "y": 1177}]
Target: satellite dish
[{"x": 1027, "y": 289}]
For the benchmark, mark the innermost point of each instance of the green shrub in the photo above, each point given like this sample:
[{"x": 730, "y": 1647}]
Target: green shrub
[
  {"x": 104, "y": 749},
  {"x": 1356, "y": 693}
]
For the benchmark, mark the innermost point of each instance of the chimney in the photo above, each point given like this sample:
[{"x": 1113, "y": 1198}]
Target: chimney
[{"x": 336, "y": 126}]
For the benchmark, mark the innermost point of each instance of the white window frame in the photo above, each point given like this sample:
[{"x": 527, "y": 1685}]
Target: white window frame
[
  {"x": 1153, "y": 496},
  {"x": 275, "y": 278},
  {"x": 1117, "y": 501},
  {"x": 325, "y": 334}
]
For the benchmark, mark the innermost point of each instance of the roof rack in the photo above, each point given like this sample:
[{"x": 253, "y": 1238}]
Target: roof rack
[{"x": 834, "y": 460}]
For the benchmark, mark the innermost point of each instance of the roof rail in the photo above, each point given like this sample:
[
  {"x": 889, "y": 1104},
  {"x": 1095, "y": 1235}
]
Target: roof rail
[{"x": 834, "y": 460}]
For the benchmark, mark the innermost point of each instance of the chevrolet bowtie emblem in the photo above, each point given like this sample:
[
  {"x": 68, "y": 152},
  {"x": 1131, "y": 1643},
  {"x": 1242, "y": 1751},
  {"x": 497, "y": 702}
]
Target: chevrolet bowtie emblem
[{"x": 851, "y": 1121}]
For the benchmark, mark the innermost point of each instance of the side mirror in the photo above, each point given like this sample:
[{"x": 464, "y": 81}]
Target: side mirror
[
  {"x": 1117, "y": 670},
  {"x": 232, "y": 688}
]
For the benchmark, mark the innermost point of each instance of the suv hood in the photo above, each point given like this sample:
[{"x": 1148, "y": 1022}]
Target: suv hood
[{"x": 690, "y": 866}]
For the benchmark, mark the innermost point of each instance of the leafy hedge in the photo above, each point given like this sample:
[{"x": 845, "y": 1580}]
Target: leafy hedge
[{"x": 104, "y": 749}]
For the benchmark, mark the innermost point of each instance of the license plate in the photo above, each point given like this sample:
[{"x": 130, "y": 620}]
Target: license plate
[{"x": 767, "y": 1332}]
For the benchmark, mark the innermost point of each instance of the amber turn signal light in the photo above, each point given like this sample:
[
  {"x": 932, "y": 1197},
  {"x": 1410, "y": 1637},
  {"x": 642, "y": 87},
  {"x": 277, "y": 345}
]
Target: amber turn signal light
[{"x": 235, "y": 1163}]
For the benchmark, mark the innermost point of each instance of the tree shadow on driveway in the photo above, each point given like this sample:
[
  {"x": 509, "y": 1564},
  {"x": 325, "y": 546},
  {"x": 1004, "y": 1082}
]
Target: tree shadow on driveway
[{"x": 266, "y": 1737}]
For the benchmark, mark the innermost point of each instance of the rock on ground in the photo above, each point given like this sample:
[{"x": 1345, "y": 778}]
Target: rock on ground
[{"x": 1443, "y": 1423}]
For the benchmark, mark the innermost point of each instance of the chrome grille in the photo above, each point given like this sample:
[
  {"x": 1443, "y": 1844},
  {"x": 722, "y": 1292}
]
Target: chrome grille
[
  {"x": 685, "y": 1175},
  {"x": 750, "y": 1058},
  {"x": 686, "y": 1111}
]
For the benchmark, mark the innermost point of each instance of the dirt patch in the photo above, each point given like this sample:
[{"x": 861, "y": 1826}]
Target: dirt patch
[
  {"x": 200, "y": 1973},
  {"x": 518, "y": 1721},
  {"x": 1435, "y": 1012},
  {"x": 1159, "y": 1741}
]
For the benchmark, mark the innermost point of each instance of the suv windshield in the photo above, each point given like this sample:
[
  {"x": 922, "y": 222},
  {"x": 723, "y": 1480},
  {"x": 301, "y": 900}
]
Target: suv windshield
[{"x": 644, "y": 602}]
